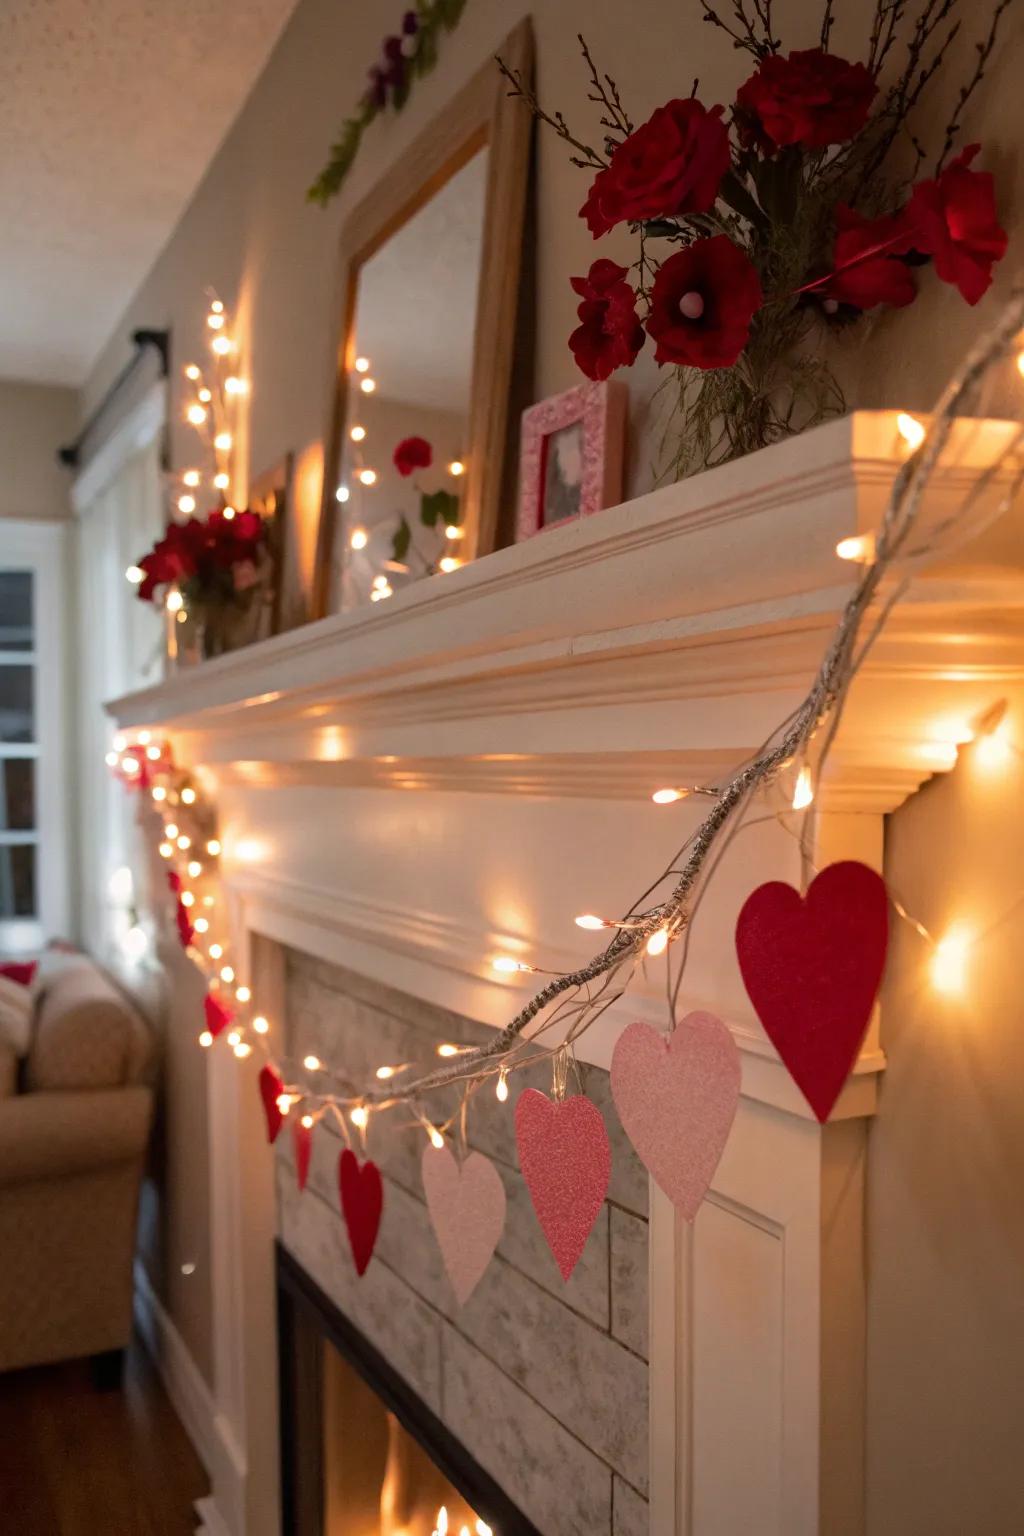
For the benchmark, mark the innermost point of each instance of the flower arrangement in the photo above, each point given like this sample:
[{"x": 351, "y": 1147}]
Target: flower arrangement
[
  {"x": 763, "y": 231},
  {"x": 405, "y": 56},
  {"x": 439, "y": 510},
  {"x": 220, "y": 564}
]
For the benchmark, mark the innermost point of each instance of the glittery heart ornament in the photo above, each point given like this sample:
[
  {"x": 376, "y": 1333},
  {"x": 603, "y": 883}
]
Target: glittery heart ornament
[
  {"x": 676, "y": 1096},
  {"x": 467, "y": 1208},
  {"x": 566, "y": 1161},
  {"x": 271, "y": 1087},
  {"x": 302, "y": 1145},
  {"x": 812, "y": 966},
  {"x": 362, "y": 1200}
]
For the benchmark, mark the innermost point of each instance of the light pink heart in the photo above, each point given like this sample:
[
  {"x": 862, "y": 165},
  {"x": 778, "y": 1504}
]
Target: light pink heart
[
  {"x": 467, "y": 1208},
  {"x": 566, "y": 1161},
  {"x": 676, "y": 1096}
]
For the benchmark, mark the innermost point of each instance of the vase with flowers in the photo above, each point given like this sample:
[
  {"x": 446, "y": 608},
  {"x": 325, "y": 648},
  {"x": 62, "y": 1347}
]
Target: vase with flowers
[
  {"x": 213, "y": 576},
  {"x": 763, "y": 230}
]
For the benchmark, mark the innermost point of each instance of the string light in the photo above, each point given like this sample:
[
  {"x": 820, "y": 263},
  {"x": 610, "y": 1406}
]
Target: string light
[
  {"x": 217, "y": 306},
  {"x": 222, "y": 442},
  {"x": 501, "y": 1087},
  {"x": 243, "y": 994},
  {"x": 206, "y": 1039},
  {"x": 130, "y": 764},
  {"x": 948, "y": 965},
  {"x": 233, "y": 1037},
  {"x": 367, "y": 386},
  {"x": 449, "y": 1050},
  {"x": 362, "y": 365},
  {"x": 222, "y": 345},
  {"x": 803, "y": 794},
  {"x": 312, "y": 1063},
  {"x": 307, "y": 1122},
  {"x": 233, "y": 385},
  {"x": 205, "y": 395},
  {"x": 191, "y": 477},
  {"x": 910, "y": 429},
  {"x": 175, "y": 601},
  {"x": 191, "y": 371},
  {"x": 165, "y": 850},
  {"x": 506, "y": 964},
  {"x": 195, "y": 415},
  {"x": 449, "y": 563},
  {"x": 111, "y": 759},
  {"x": 357, "y": 434},
  {"x": 284, "y": 1102},
  {"x": 135, "y": 574},
  {"x": 260, "y": 1024},
  {"x": 184, "y": 842},
  {"x": 221, "y": 481},
  {"x": 360, "y": 1117},
  {"x": 213, "y": 847},
  {"x": 456, "y": 468},
  {"x": 227, "y": 974},
  {"x": 668, "y": 796},
  {"x": 436, "y": 1139},
  {"x": 342, "y": 494},
  {"x": 144, "y": 738},
  {"x": 658, "y": 942},
  {"x": 243, "y": 1048},
  {"x": 859, "y": 547},
  {"x": 188, "y": 796},
  {"x": 201, "y": 925},
  {"x": 195, "y": 869},
  {"x": 591, "y": 922},
  {"x": 158, "y": 793},
  {"x": 216, "y": 950},
  {"x": 215, "y": 319},
  {"x": 384, "y": 1073},
  {"x": 171, "y": 829},
  {"x": 187, "y": 899},
  {"x": 453, "y": 531},
  {"x": 154, "y": 754},
  {"x": 358, "y": 538},
  {"x": 368, "y": 476}
]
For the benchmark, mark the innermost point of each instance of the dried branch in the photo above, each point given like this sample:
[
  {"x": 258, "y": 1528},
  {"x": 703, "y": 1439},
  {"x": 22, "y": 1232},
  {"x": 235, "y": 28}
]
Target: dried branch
[
  {"x": 606, "y": 94},
  {"x": 588, "y": 157},
  {"x": 984, "y": 52},
  {"x": 827, "y": 20}
]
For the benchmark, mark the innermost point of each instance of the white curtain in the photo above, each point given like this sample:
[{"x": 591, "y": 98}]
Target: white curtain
[{"x": 119, "y": 506}]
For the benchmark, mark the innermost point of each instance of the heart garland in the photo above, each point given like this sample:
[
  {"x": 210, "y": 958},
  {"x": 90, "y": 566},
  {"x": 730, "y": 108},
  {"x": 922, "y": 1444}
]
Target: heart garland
[
  {"x": 566, "y": 1160},
  {"x": 302, "y": 1146},
  {"x": 271, "y": 1087},
  {"x": 812, "y": 967},
  {"x": 362, "y": 1200},
  {"x": 217, "y": 1015},
  {"x": 467, "y": 1210},
  {"x": 676, "y": 1097}
]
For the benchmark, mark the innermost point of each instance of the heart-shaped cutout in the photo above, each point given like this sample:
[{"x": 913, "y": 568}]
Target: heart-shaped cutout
[
  {"x": 217, "y": 1014},
  {"x": 812, "y": 967},
  {"x": 271, "y": 1088},
  {"x": 676, "y": 1096},
  {"x": 362, "y": 1200},
  {"x": 467, "y": 1209},
  {"x": 302, "y": 1145},
  {"x": 566, "y": 1160}
]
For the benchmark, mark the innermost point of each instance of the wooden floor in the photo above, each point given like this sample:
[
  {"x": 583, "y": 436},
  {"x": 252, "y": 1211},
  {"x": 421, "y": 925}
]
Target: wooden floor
[{"x": 78, "y": 1462}]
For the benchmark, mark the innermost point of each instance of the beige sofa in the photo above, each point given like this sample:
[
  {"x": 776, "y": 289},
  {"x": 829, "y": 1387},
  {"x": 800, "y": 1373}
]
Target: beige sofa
[{"x": 72, "y": 1152}]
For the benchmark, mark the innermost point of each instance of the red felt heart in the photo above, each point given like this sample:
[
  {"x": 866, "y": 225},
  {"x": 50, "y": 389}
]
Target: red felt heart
[
  {"x": 812, "y": 967},
  {"x": 21, "y": 971},
  {"x": 566, "y": 1161},
  {"x": 302, "y": 1144},
  {"x": 218, "y": 1016},
  {"x": 271, "y": 1088},
  {"x": 362, "y": 1200}
]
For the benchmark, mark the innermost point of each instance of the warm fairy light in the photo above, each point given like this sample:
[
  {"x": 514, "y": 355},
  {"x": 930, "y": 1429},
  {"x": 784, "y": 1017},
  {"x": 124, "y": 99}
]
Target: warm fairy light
[
  {"x": 206, "y": 1039},
  {"x": 284, "y": 1102},
  {"x": 191, "y": 372},
  {"x": 448, "y": 1050},
  {"x": 111, "y": 759},
  {"x": 442, "y": 1521},
  {"x": 668, "y": 796},
  {"x": 453, "y": 531},
  {"x": 216, "y": 950},
  {"x": 188, "y": 795},
  {"x": 357, "y": 434},
  {"x": 215, "y": 319},
  {"x": 222, "y": 442},
  {"x": 910, "y": 429},
  {"x": 859, "y": 547},
  {"x": 941, "y": 754},
  {"x": 217, "y": 306},
  {"x": 307, "y": 1122},
  {"x": 436, "y": 1139},
  {"x": 949, "y": 962},
  {"x": 191, "y": 477},
  {"x": 379, "y": 583},
  {"x": 221, "y": 345},
  {"x": 501, "y": 1087},
  {"x": 368, "y": 476},
  {"x": 507, "y": 965},
  {"x": 803, "y": 794},
  {"x": 482, "y": 1529},
  {"x": 208, "y": 901},
  {"x": 184, "y": 842},
  {"x": 135, "y": 574},
  {"x": 233, "y": 385},
  {"x": 362, "y": 365},
  {"x": 145, "y": 737},
  {"x": 119, "y": 742},
  {"x": 342, "y": 494},
  {"x": 358, "y": 538},
  {"x": 385, "y": 1072},
  {"x": 260, "y": 1024},
  {"x": 205, "y": 395},
  {"x": 360, "y": 1117},
  {"x": 165, "y": 850},
  {"x": 243, "y": 994},
  {"x": 175, "y": 601},
  {"x": 658, "y": 942},
  {"x": 171, "y": 829},
  {"x": 187, "y": 899},
  {"x": 312, "y": 1063},
  {"x": 227, "y": 974},
  {"x": 158, "y": 793},
  {"x": 381, "y": 588},
  {"x": 456, "y": 468},
  {"x": 449, "y": 563},
  {"x": 195, "y": 869},
  {"x": 233, "y": 1037},
  {"x": 213, "y": 847},
  {"x": 154, "y": 754},
  {"x": 221, "y": 481},
  {"x": 195, "y": 415},
  {"x": 590, "y": 921},
  {"x": 201, "y": 925},
  {"x": 243, "y": 1048},
  {"x": 130, "y": 764},
  {"x": 367, "y": 386}
]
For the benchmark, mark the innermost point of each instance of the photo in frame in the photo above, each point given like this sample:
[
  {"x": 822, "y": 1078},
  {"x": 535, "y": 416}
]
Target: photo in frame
[{"x": 571, "y": 456}]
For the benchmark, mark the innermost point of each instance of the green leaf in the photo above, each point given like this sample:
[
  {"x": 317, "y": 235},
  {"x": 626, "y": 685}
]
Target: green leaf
[
  {"x": 401, "y": 541},
  {"x": 438, "y": 506},
  {"x": 659, "y": 229},
  {"x": 733, "y": 192}
]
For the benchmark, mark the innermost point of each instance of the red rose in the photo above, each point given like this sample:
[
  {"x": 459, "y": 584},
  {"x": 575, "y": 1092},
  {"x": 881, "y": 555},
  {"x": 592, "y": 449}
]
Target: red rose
[
  {"x": 609, "y": 335},
  {"x": 953, "y": 220},
  {"x": 702, "y": 303},
  {"x": 413, "y": 453},
  {"x": 671, "y": 164},
  {"x": 811, "y": 98},
  {"x": 868, "y": 268}
]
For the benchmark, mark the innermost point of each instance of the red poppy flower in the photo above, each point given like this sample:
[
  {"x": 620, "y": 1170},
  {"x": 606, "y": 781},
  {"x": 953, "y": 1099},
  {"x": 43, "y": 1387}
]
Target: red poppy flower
[
  {"x": 953, "y": 220},
  {"x": 809, "y": 97},
  {"x": 702, "y": 303},
  {"x": 413, "y": 453},
  {"x": 609, "y": 335},
  {"x": 671, "y": 164},
  {"x": 868, "y": 268}
]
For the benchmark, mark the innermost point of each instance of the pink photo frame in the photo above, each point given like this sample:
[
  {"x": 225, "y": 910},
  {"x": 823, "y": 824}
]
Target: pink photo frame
[{"x": 571, "y": 453}]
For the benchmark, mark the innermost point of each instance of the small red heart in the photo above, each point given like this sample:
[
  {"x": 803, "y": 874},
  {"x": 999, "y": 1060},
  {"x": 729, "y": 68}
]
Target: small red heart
[
  {"x": 812, "y": 967},
  {"x": 271, "y": 1087},
  {"x": 302, "y": 1142},
  {"x": 218, "y": 1015},
  {"x": 566, "y": 1161},
  {"x": 362, "y": 1200}
]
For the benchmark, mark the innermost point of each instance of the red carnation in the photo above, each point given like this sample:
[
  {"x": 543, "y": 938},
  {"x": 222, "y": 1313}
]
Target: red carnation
[
  {"x": 702, "y": 303},
  {"x": 671, "y": 164},
  {"x": 609, "y": 335},
  {"x": 413, "y": 453},
  {"x": 811, "y": 98},
  {"x": 953, "y": 220},
  {"x": 868, "y": 268}
]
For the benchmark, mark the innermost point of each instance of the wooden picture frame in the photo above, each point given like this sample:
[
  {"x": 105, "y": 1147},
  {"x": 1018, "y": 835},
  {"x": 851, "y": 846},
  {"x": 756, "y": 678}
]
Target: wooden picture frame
[
  {"x": 270, "y": 494},
  {"x": 482, "y": 113},
  {"x": 596, "y": 415}
]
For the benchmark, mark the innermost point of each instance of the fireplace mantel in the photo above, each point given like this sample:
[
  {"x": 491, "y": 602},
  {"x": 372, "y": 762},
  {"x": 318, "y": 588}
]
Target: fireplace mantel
[{"x": 415, "y": 788}]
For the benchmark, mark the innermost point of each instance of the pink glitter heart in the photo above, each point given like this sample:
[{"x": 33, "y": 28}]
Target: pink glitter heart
[
  {"x": 676, "y": 1096},
  {"x": 566, "y": 1161},
  {"x": 467, "y": 1208}
]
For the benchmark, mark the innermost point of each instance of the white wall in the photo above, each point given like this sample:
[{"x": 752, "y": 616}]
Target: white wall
[{"x": 35, "y": 420}]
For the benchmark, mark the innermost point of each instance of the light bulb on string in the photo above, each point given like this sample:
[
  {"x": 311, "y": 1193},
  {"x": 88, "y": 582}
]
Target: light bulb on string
[
  {"x": 448, "y": 563},
  {"x": 243, "y": 994},
  {"x": 591, "y": 922},
  {"x": 222, "y": 442},
  {"x": 362, "y": 365},
  {"x": 165, "y": 850},
  {"x": 658, "y": 942},
  {"x": 948, "y": 966},
  {"x": 357, "y": 434},
  {"x": 215, "y": 319},
  {"x": 201, "y": 925},
  {"x": 221, "y": 481},
  {"x": 135, "y": 574},
  {"x": 175, "y": 602},
  {"x": 206, "y": 1039},
  {"x": 456, "y": 468},
  {"x": 260, "y": 1024},
  {"x": 803, "y": 794},
  {"x": 195, "y": 415},
  {"x": 312, "y": 1063},
  {"x": 448, "y": 1050},
  {"x": 910, "y": 429},
  {"x": 436, "y": 1139},
  {"x": 307, "y": 1122},
  {"x": 171, "y": 829},
  {"x": 360, "y": 1117},
  {"x": 191, "y": 478},
  {"x": 234, "y": 1036},
  {"x": 501, "y": 1087},
  {"x": 213, "y": 847},
  {"x": 184, "y": 842},
  {"x": 188, "y": 795},
  {"x": 859, "y": 547},
  {"x": 216, "y": 950},
  {"x": 284, "y": 1102},
  {"x": 195, "y": 869},
  {"x": 227, "y": 974},
  {"x": 205, "y": 395},
  {"x": 243, "y": 1048},
  {"x": 668, "y": 796},
  {"x": 367, "y": 476},
  {"x": 233, "y": 385},
  {"x": 187, "y": 899},
  {"x": 358, "y": 538},
  {"x": 506, "y": 965},
  {"x": 158, "y": 793},
  {"x": 191, "y": 372},
  {"x": 342, "y": 494},
  {"x": 111, "y": 759},
  {"x": 222, "y": 345},
  {"x": 367, "y": 386}
]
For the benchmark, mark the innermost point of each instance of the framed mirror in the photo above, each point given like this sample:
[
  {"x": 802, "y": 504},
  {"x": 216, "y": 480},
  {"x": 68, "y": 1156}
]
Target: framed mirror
[{"x": 417, "y": 443}]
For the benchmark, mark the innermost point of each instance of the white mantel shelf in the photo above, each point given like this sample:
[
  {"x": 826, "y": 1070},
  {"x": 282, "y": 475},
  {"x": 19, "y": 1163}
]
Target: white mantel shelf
[{"x": 452, "y": 774}]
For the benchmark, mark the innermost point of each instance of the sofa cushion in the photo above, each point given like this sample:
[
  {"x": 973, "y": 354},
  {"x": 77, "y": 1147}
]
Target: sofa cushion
[
  {"x": 16, "y": 1009},
  {"x": 87, "y": 1034}
]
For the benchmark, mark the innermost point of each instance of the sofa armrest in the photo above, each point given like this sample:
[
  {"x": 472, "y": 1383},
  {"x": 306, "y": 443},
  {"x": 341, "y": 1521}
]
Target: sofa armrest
[{"x": 48, "y": 1135}]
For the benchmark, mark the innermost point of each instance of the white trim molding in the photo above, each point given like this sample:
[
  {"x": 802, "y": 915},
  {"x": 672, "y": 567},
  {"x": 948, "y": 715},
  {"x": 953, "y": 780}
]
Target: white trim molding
[{"x": 135, "y": 431}]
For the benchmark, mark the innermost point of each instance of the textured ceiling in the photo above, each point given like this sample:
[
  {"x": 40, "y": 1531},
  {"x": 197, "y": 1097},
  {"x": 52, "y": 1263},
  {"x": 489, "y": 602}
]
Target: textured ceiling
[{"x": 110, "y": 112}]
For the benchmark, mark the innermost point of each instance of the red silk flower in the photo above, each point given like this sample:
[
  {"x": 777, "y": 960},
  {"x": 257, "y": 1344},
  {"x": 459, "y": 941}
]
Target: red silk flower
[
  {"x": 411, "y": 454},
  {"x": 953, "y": 220},
  {"x": 868, "y": 268},
  {"x": 609, "y": 335},
  {"x": 702, "y": 303},
  {"x": 671, "y": 164},
  {"x": 808, "y": 97}
]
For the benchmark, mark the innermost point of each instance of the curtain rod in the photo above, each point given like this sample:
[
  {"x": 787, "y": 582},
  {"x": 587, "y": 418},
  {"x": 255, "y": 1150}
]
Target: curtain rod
[{"x": 160, "y": 341}]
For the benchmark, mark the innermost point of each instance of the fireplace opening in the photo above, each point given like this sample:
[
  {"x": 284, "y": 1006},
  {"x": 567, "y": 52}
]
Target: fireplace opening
[{"x": 361, "y": 1453}]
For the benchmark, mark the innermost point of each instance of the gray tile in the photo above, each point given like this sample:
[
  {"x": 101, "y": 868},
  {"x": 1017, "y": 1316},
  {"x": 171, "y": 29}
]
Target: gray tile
[
  {"x": 632, "y": 1515},
  {"x": 554, "y": 1480},
  {"x": 629, "y": 1236}
]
